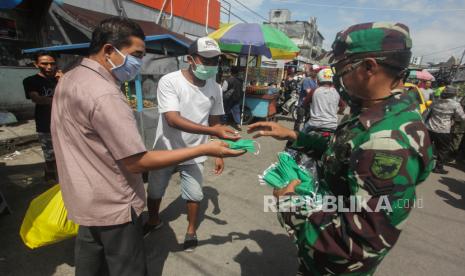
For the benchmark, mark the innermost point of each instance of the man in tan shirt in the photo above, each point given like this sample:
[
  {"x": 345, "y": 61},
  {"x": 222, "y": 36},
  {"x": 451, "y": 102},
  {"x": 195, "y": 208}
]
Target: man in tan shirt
[{"x": 100, "y": 154}]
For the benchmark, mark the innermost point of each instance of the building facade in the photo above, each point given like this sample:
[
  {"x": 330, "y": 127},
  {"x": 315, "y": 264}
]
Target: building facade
[
  {"x": 33, "y": 23},
  {"x": 305, "y": 34}
]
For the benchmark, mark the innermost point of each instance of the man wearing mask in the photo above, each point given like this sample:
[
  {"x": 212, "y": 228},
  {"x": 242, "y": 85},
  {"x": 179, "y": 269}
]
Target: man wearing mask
[
  {"x": 191, "y": 106},
  {"x": 40, "y": 89},
  {"x": 379, "y": 155},
  {"x": 100, "y": 154}
]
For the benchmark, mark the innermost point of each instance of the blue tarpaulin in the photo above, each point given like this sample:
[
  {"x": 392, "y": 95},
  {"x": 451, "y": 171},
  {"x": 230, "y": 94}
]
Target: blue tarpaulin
[
  {"x": 9, "y": 4},
  {"x": 165, "y": 44}
]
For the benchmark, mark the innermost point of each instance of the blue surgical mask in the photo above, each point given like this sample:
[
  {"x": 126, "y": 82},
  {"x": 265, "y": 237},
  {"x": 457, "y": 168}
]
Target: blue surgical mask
[
  {"x": 127, "y": 70},
  {"x": 204, "y": 72}
]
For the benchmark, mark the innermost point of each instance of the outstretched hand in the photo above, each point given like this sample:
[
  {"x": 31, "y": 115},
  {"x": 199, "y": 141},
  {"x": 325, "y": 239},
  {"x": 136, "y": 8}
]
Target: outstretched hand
[
  {"x": 272, "y": 129},
  {"x": 224, "y": 132},
  {"x": 221, "y": 149}
]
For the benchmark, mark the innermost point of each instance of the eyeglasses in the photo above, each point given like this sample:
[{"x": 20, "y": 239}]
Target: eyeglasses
[{"x": 344, "y": 72}]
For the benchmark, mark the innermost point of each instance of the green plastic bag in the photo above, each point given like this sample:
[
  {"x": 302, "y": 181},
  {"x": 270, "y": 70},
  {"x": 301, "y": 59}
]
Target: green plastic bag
[
  {"x": 280, "y": 174},
  {"x": 244, "y": 144}
]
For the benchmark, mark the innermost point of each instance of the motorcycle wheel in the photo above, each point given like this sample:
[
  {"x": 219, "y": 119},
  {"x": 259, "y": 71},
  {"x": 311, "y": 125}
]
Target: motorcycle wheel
[
  {"x": 247, "y": 117},
  {"x": 293, "y": 111}
]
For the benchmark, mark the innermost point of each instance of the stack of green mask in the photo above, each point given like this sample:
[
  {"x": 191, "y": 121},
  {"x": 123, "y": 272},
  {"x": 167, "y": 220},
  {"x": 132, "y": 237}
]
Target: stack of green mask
[
  {"x": 280, "y": 174},
  {"x": 244, "y": 144}
]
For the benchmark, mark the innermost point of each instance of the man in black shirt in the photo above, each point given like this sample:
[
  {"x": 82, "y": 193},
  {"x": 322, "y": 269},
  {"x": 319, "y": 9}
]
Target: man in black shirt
[
  {"x": 40, "y": 88},
  {"x": 232, "y": 96}
]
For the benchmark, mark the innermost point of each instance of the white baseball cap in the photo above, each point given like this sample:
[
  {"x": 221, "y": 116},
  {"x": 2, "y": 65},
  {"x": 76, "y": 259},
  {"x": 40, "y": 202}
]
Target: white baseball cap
[{"x": 205, "y": 47}]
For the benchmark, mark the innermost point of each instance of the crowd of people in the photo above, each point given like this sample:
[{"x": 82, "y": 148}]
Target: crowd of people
[{"x": 382, "y": 148}]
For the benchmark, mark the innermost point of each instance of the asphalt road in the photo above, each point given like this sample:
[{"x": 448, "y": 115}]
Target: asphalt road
[{"x": 236, "y": 237}]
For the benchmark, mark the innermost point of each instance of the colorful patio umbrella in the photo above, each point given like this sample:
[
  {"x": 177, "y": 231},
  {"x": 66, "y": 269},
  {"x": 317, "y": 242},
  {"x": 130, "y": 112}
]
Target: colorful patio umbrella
[
  {"x": 259, "y": 39},
  {"x": 421, "y": 75},
  {"x": 253, "y": 39}
]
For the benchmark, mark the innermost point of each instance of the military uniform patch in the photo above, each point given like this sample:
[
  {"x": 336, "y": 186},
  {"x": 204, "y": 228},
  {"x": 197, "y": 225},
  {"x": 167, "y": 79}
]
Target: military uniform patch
[{"x": 386, "y": 166}]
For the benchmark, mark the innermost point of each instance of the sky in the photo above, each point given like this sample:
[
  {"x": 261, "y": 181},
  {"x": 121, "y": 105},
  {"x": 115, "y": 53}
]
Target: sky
[{"x": 436, "y": 26}]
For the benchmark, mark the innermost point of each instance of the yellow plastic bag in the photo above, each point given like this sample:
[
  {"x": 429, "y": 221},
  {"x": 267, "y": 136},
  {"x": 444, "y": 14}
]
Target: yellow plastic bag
[{"x": 46, "y": 220}]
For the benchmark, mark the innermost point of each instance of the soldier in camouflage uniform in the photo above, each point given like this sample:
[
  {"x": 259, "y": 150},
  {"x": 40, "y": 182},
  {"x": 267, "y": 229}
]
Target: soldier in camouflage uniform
[{"x": 380, "y": 153}]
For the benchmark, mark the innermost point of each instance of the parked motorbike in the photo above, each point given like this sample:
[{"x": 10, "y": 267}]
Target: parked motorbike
[{"x": 289, "y": 106}]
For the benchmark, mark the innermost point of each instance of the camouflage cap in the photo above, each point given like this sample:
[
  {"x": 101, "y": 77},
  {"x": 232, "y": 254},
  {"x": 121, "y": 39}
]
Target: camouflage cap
[{"x": 371, "y": 39}]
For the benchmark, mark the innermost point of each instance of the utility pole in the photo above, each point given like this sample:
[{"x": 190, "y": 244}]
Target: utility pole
[
  {"x": 461, "y": 59},
  {"x": 313, "y": 30},
  {"x": 454, "y": 74}
]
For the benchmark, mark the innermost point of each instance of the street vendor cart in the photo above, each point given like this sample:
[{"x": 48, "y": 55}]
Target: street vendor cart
[
  {"x": 252, "y": 39},
  {"x": 260, "y": 102}
]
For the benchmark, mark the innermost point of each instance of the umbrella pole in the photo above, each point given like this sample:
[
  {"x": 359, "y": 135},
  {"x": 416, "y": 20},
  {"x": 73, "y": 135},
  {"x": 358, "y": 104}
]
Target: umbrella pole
[{"x": 245, "y": 83}]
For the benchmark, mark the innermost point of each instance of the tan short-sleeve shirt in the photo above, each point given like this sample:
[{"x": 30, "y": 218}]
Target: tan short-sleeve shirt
[{"x": 93, "y": 128}]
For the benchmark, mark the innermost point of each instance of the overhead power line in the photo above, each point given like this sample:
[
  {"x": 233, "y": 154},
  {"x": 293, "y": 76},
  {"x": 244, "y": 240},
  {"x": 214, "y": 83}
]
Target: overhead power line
[
  {"x": 252, "y": 11},
  {"x": 226, "y": 11},
  {"x": 443, "y": 51},
  {"x": 370, "y": 8}
]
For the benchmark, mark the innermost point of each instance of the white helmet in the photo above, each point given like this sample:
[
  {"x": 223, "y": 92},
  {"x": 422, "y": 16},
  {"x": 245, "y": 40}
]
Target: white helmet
[{"x": 325, "y": 75}]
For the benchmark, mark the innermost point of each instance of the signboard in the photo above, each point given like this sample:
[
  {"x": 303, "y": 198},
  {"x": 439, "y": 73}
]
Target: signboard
[
  {"x": 192, "y": 10},
  {"x": 416, "y": 61}
]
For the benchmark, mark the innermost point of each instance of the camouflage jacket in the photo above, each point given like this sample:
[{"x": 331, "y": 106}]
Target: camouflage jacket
[{"x": 380, "y": 155}]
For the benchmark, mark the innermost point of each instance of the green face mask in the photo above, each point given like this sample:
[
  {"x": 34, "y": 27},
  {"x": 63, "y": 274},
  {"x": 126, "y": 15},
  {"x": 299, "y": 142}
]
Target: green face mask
[
  {"x": 204, "y": 72},
  {"x": 244, "y": 144}
]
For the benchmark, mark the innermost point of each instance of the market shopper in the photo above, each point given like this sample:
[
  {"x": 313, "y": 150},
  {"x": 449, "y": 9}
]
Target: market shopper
[
  {"x": 100, "y": 154},
  {"x": 289, "y": 86},
  {"x": 325, "y": 104},
  {"x": 308, "y": 85},
  {"x": 443, "y": 113},
  {"x": 40, "y": 89},
  {"x": 380, "y": 154},
  {"x": 427, "y": 91},
  {"x": 232, "y": 96},
  {"x": 191, "y": 106}
]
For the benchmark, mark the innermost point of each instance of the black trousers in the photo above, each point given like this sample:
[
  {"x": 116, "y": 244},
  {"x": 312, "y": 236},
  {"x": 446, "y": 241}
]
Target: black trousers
[
  {"x": 116, "y": 250},
  {"x": 4, "y": 210},
  {"x": 442, "y": 146}
]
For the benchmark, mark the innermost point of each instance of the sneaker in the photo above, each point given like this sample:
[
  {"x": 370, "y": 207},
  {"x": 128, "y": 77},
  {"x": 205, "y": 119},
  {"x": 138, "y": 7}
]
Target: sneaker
[
  {"x": 190, "y": 242},
  {"x": 237, "y": 127},
  {"x": 440, "y": 171},
  {"x": 149, "y": 228}
]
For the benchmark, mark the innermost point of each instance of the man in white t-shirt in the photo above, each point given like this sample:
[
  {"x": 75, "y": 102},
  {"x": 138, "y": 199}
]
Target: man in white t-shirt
[
  {"x": 325, "y": 104},
  {"x": 191, "y": 105},
  {"x": 427, "y": 91}
]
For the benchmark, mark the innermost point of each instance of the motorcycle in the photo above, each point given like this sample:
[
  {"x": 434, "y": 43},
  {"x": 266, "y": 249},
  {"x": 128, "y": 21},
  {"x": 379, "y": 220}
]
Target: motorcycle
[{"x": 288, "y": 106}]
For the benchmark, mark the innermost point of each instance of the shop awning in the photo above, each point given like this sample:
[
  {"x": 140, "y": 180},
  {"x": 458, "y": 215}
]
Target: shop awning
[
  {"x": 164, "y": 44},
  {"x": 85, "y": 20}
]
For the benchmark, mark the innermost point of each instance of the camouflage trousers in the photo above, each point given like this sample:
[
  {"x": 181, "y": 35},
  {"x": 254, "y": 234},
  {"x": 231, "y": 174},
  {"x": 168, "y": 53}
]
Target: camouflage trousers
[{"x": 45, "y": 140}]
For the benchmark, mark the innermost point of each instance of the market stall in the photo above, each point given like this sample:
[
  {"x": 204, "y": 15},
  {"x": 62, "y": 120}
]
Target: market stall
[{"x": 252, "y": 39}]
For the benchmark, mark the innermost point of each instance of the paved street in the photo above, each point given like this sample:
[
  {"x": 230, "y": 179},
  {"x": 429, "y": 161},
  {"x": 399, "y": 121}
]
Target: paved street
[{"x": 236, "y": 236}]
